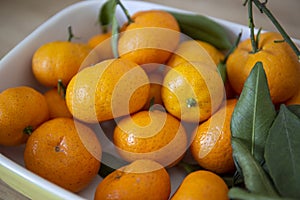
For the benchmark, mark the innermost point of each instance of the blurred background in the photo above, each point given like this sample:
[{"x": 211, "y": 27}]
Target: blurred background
[{"x": 18, "y": 18}]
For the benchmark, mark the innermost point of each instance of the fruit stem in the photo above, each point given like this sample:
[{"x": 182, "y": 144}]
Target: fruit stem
[
  {"x": 71, "y": 36},
  {"x": 125, "y": 11},
  {"x": 191, "y": 102},
  {"x": 263, "y": 9},
  {"x": 254, "y": 41},
  {"x": 61, "y": 88},
  {"x": 28, "y": 130}
]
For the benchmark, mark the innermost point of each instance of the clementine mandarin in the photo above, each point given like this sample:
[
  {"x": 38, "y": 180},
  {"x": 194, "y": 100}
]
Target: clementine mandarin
[
  {"x": 202, "y": 184},
  {"x": 64, "y": 152},
  {"x": 211, "y": 143},
  {"x": 154, "y": 135},
  {"x": 22, "y": 109},
  {"x": 109, "y": 89},
  {"x": 279, "y": 62},
  {"x": 192, "y": 91},
  {"x": 60, "y": 60},
  {"x": 151, "y": 38},
  {"x": 142, "y": 179}
]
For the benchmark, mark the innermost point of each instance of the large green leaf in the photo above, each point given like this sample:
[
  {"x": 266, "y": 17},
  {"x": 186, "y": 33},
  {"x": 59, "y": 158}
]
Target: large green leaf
[
  {"x": 255, "y": 178},
  {"x": 282, "y": 153},
  {"x": 254, "y": 113}
]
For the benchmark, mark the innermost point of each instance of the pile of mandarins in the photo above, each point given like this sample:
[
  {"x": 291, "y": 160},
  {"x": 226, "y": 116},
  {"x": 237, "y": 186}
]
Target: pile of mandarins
[{"x": 164, "y": 94}]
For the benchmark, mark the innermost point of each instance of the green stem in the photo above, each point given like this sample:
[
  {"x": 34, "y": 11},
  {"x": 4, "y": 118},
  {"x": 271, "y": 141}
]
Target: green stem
[
  {"x": 61, "y": 88},
  {"x": 125, "y": 11},
  {"x": 251, "y": 26},
  {"x": 70, "y": 33},
  {"x": 28, "y": 130},
  {"x": 262, "y": 7}
]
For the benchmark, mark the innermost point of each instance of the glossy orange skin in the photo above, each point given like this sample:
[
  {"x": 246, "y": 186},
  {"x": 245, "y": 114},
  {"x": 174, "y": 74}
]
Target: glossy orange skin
[
  {"x": 107, "y": 90},
  {"x": 59, "y": 60},
  {"x": 142, "y": 179},
  {"x": 20, "y": 107},
  {"x": 57, "y": 104},
  {"x": 64, "y": 152},
  {"x": 192, "y": 81},
  {"x": 154, "y": 135},
  {"x": 279, "y": 62},
  {"x": 211, "y": 142},
  {"x": 202, "y": 184},
  {"x": 151, "y": 38}
]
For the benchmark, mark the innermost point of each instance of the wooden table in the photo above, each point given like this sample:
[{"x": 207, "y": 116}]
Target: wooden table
[{"x": 18, "y": 18}]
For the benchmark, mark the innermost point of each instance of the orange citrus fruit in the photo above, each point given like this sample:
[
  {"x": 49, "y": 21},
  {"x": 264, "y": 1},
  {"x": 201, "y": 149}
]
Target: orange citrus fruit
[
  {"x": 211, "y": 143},
  {"x": 192, "y": 91},
  {"x": 59, "y": 60},
  {"x": 202, "y": 184},
  {"x": 57, "y": 104},
  {"x": 150, "y": 38},
  {"x": 22, "y": 109},
  {"x": 279, "y": 62},
  {"x": 64, "y": 152},
  {"x": 195, "y": 50},
  {"x": 154, "y": 135},
  {"x": 109, "y": 89},
  {"x": 141, "y": 179}
]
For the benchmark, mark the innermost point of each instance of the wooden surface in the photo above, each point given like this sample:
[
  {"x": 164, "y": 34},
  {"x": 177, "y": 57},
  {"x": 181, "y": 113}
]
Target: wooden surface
[{"x": 18, "y": 18}]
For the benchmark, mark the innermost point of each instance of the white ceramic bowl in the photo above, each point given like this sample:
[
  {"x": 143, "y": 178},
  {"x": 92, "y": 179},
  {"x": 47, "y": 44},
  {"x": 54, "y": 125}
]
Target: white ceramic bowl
[{"x": 15, "y": 70}]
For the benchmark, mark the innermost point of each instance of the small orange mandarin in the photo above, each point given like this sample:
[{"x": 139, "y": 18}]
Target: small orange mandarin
[
  {"x": 60, "y": 60},
  {"x": 279, "y": 62},
  {"x": 22, "y": 109},
  {"x": 211, "y": 144},
  {"x": 202, "y": 184},
  {"x": 154, "y": 135},
  {"x": 142, "y": 179},
  {"x": 150, "y": 38},
  {"x": 64, "y": 152},
  {"x": 192, "y": 91},
  {"x": 107, "y": 90}
]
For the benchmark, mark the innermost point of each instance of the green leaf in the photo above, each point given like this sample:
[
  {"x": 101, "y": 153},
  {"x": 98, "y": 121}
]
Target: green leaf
[
  {"x": 254, "y": 113},
  {"x": 239, "y": 193},
  {"x": 282, "y": 153},
  {"x": 255, "y": 178},
  {"x": 106, "y": 14},
  {"x": 222, "y": 71},
  {"x": 295, "y": 109}
]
